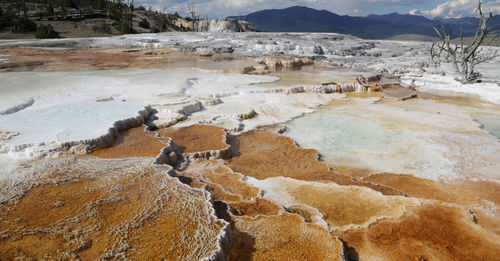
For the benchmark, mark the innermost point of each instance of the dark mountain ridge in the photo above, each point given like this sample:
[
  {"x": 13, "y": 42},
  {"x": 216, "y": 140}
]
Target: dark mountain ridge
[{"x": 304, "y": 19}]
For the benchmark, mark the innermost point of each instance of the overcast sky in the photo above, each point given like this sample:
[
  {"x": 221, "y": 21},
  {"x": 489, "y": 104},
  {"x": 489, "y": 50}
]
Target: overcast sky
[{"x": 429, "y": 8}]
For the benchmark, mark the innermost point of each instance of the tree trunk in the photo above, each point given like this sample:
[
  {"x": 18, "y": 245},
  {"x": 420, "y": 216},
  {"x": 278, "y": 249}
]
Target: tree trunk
[{"x": 132, "y": 15}]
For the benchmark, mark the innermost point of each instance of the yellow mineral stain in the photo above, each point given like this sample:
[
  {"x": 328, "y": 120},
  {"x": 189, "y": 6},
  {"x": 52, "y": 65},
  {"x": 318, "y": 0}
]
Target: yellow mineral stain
[
  {"x": 423, "y": 188},
  {"x": 284, "y": 237},
  {"x": 196, "y": 138},
  {"x": 135, "y": 142},
  {"x": 108, "y": 209},
  {"x": 262, "y": 154},
  {"x": 228, "y": 186},
  {"x": 430, "y": 232},
  {"x": 44, "y": 59}
]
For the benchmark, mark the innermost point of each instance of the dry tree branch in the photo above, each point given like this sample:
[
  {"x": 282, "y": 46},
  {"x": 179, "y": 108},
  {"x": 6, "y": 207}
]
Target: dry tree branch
[
  {"x": 464, "y": 57},
  {"x": 192, "y": 11}
]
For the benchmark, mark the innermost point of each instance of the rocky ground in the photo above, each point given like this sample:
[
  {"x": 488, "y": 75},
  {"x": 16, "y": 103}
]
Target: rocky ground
[{"x": 250, "y": 146}]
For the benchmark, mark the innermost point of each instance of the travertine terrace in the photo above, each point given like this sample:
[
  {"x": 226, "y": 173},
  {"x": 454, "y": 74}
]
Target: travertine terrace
[
  {"x": 108, "y": 209},
  {"x": 251, "y": 146}
]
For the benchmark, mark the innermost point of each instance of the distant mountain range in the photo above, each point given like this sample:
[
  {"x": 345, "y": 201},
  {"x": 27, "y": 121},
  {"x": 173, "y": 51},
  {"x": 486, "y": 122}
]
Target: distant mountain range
[{"x": 304, "y": 19}]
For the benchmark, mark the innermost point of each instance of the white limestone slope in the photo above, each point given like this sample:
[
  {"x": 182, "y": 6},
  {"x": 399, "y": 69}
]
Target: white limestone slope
[
  {"x": 62, "y": 109},
  {"x": 77, "y": 107},
  {"x": 93, "y": 123},
  {"x": 435, "y": 83},
  {"x": 242, "y": 102},
  {"x": 423, "y": 138},
  {"x": 223, "y": 25},
  {"x": 409, "y": 59}
]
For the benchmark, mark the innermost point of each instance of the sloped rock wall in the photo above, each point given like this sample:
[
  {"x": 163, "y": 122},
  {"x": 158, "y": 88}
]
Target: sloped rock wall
[{"x": 223, "y": 25}]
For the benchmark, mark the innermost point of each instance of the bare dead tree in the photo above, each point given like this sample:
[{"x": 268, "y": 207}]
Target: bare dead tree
[
  {"x": 464, "y": 57},
  {"x": 131, "y": 6},
  {"x": 192, "y": 11},
  {"x": 436, "y": 54}
]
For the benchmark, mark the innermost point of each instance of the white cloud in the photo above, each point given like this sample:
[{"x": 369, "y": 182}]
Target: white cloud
[{"x": 458, "y": 8}]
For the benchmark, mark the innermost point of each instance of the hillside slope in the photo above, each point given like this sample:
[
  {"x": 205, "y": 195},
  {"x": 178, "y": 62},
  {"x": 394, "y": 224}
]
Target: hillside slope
[{"x": 304, "y": 19}]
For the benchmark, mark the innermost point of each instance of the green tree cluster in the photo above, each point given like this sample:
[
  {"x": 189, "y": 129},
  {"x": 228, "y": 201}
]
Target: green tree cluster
[
  {"x": 144, "y": 23},
  {"x": 102, "y": 27},
  {"x": 46, "y": 31},
  {"x": 14, "y": 14}
]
